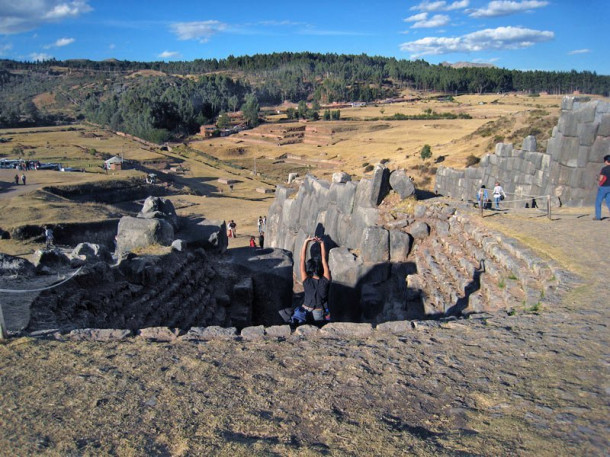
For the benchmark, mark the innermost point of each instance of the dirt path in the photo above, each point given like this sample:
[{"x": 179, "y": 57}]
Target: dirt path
[{"x": 525, "y": 384}]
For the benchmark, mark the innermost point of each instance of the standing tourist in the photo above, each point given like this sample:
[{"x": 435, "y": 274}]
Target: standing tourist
[
  {"x": 23, "y": 178},
  {"x": 482, "y": 197},
  {"x": 261, "y": 240},
  {"x": 603, "y": 191},
  {"x": 17, "y": 180},
  {"x": 498, "y": 194}
]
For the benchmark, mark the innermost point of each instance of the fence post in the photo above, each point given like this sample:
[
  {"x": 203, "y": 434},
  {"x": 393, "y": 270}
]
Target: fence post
[
  {"x": 548, "y": 207},
  {"x": 3, "y": 334}
]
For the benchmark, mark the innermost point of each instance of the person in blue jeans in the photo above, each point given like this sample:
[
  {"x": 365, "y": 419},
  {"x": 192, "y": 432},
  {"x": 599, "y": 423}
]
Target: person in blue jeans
[{"x": 603, "y": 191}]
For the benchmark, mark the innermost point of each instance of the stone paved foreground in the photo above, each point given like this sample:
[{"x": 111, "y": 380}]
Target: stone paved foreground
[{"x": 526, "y": 384}]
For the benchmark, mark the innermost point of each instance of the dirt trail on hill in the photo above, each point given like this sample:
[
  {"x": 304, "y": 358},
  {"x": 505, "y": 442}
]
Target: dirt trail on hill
[{"x": 522, "y": 384}]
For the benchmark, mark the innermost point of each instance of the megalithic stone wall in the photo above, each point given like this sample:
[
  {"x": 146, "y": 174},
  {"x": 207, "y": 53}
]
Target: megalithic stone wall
[
  {"x": 346, "y": 214},
  {"x": 567, "y": 171}
]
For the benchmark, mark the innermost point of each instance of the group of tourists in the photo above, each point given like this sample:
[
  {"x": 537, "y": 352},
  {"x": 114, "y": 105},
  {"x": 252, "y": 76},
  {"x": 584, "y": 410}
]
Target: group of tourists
[
  {"x": 23, "y": 179},
  {"x": 483, "y": 200}
]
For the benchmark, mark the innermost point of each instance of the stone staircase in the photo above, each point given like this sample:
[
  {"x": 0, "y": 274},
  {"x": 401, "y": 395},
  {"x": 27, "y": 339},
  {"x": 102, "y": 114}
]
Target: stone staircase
[
  {"x": 174, "y": 292},
  {"x": 469, "y": 269}
]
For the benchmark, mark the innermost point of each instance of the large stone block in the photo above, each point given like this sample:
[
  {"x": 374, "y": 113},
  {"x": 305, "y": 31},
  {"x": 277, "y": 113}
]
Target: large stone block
[
  {"x": 375, "y": 245},
  {"x": 361, "y": 219},
  {"x": 371, "y": 192},
  {"x": 586, "y": 112},
  {"x": 400, "y": 245},
  {"x": 600, "y": 149},
  {"x": 569, "y": 150},
  {"x": 604, "y": 125},
  {"x": 343, "y": 196},
  {"x": 568, "y": 125},
  {"x": 504, "y": 149},
  {"x": 134, "y": 233},
  {"x": 529, "y": 144},
  {"x": 401, "y": 183},
  {"x": 587, "y": 133}
]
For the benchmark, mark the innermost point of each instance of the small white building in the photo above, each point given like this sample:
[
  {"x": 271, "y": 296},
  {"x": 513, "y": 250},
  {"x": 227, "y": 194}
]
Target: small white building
[{"x": 114, "y": 163}]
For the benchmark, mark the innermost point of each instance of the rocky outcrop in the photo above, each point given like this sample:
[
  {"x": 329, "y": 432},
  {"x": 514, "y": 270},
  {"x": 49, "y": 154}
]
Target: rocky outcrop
[{"x": 566, "y": 172}]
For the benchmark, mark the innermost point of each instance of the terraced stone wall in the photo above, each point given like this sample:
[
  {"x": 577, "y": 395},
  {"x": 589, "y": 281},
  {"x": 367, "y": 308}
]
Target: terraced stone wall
[{"x": 567, "y": 171}]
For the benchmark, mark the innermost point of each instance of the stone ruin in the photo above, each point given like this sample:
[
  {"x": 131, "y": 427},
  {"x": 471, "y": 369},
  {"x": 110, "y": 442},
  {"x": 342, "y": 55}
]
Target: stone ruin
[
  {"x": 390, "y": 265},
  {"x": 567, "y": 171}
]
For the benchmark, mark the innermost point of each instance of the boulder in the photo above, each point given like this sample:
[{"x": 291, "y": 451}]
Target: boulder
[
  {"x": 401, "y": 183},
  {"x": 159, "y": 208},
  {"x": 211, "y": 333},
  {"x": 11, "y": 265},
  {"x": 134, "y": 233},
  {"x": 419, "y": 230},
  {"x": 179, "y": 245},
  {"x": 49, "y": 258},
  {"x": 90, "y": 252}
]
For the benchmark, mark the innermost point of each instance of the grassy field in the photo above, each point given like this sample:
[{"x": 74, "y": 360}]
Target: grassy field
[{"x": 362, "y": 138}]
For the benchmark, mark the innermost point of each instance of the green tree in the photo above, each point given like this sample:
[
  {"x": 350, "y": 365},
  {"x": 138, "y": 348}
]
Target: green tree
[
  {"x": 223, "y": 121},
  {"x": 426, "y": 152},
  {"x": 327, "y": 115},
  {"x": 302, "y": 109},
  {"x": 250, "y": 110}
]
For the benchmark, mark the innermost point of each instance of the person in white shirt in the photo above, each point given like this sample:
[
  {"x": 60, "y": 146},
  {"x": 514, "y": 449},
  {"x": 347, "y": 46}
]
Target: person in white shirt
[{"x": 498, "y": 194}]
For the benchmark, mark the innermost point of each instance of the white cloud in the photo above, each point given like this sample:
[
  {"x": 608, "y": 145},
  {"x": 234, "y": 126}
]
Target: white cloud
[
  {"x": 169, "y": 55},
  {"x": 579, "y": 51},
  {"x": 438, "y": 20},
  {"x": 497, "y": 39},
  {"x": 40, "y": 56},
  {"x": 505, "y": 7},
  {"x": 61, "y": 42},
  {"x": 201, "y": 31},
  {"x": 427, "y": 5},
  {"x": 24, "y": 15},
  {"x": 417, "y": 17}
]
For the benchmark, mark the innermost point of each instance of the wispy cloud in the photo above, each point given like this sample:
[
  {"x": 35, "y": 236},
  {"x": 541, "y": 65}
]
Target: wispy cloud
[
  {"x": 506, "y": 8},
  {"x": 169, "y": 55},
  {"x": 40, "y": 56},
  {"x": 60, "y": 43},
  {"x": 422, "y": 21},
  {"x": 429, "y": 6},
  {"x": 579, "y": 51},
  {"x": 200, "y": 31},
  {"x": 496, "y": 39},
  {"x": 24, "y": 15},
  {"x": 4, "y": 48}
]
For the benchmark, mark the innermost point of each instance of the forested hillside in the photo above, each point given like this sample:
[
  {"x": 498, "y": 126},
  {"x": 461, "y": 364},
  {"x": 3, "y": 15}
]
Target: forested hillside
[{"x": 174, "y": 98}]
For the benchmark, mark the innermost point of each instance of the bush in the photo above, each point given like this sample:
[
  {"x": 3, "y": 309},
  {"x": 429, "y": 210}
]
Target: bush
[
  {"x": 472, "y": 160},
  {"x": 365, "y": 164},
  {"x": 382, "y": 161},
  {"x": 426, "y": 152},
  {"x": 498, "y": 138},
  {"x": 369, "y": 168}
]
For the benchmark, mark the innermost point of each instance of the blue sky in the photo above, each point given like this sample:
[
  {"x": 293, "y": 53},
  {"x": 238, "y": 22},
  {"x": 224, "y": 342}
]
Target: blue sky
[{"x": 516, "y": 34}]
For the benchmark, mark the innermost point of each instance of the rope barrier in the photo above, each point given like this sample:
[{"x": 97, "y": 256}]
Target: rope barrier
[{"x": 25, "y": 291}]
